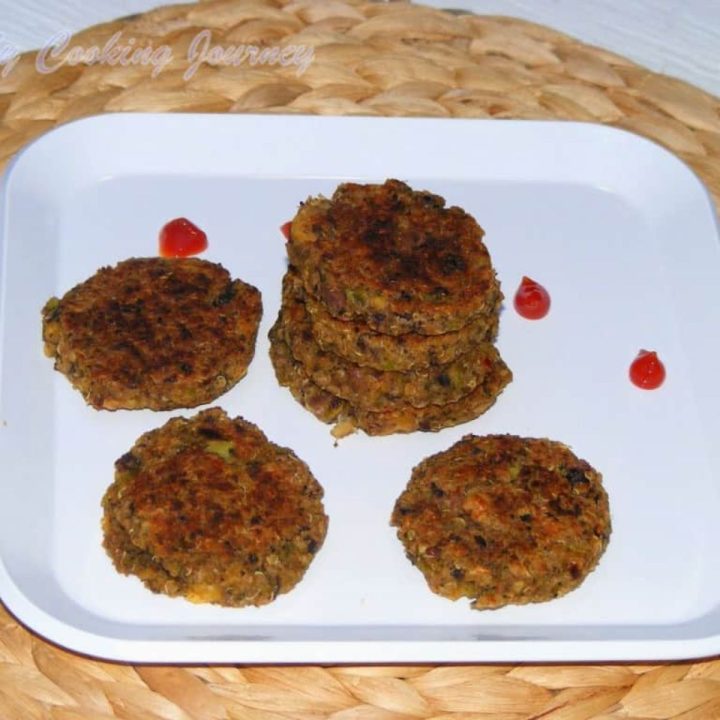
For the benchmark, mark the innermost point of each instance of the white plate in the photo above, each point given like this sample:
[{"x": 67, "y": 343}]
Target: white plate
[{"x": 621, "y": 233}]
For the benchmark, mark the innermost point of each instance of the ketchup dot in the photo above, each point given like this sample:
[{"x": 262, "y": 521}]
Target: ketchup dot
[
  {"x": 647, "y": 370},
  {"x": 285, "y": 229},
  {"x": 532, "y": 300},
  {"x": 181, "y": 238}
]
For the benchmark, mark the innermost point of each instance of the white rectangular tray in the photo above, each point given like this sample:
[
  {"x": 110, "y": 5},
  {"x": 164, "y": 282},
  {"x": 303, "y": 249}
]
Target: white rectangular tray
[{"x": 621, "y": 233}]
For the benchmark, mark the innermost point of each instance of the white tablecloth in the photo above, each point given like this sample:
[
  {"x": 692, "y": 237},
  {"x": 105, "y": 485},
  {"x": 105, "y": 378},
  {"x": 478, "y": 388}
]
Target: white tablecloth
[{"x": 677, "y": 37}]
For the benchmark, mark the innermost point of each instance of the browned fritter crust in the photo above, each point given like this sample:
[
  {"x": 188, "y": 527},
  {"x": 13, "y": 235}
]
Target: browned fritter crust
[
  {"x": 503, "y": 520},
  {"x": 210, "y": 509},
  {"x": 393, "y": 258},
  {"x": 360, "y": 344},
  {"x": 154, "y": 333},
  {"x": 402, "y": 418},
  {"x": 376, "y": 390}
]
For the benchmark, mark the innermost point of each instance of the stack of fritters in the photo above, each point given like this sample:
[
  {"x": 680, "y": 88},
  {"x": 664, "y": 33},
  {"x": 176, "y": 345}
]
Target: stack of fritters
[{"x": 389, "y": 312}]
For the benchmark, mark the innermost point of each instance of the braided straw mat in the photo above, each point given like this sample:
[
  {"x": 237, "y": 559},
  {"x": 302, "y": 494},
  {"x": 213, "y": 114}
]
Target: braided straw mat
[{"x": 370, "y": 59}]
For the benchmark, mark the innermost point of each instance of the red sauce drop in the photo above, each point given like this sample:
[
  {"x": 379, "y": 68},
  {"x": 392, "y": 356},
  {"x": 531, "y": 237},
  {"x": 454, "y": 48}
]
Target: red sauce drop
[
  {"x": 181, "y": 238},
  {"x": 532, "y": 300},
  {"x": 647, "y": 370},
  {"x": 285, "y": 229}
]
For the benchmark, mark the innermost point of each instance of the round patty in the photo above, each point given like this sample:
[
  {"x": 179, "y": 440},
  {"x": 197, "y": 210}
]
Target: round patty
[
  {"x": 503, "y": 519},
  {"x": 402, "y": 418},
  {"x": 393, "y": 258},
  {"x": 377, "y": 390},
  {"x": 154, "y": 333},
  {"x": 210, "y": 509},
  {"x": 360, "y": 344}
]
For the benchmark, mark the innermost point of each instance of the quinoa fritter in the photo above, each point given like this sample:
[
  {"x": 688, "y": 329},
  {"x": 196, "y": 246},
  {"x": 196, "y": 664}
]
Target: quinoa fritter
[
  {"x": 375, "y": 390},
  {"x": 503, "y": 520},
  {"x": 360, "y": 344},
  {"x": 210, "y": 509},
  {"x": 393, "y": 258},
  {"x": 401, "y": 418},
  {"x": 158, "y": 333}
]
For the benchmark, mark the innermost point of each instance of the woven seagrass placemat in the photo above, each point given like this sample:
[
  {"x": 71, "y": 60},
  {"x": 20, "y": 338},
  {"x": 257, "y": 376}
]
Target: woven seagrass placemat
[{"x": 372, "y": 59}]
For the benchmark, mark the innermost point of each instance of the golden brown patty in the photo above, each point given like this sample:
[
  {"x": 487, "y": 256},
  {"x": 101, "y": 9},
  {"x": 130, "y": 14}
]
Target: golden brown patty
[
  {"x": 375, "y": 390},
  {"x": 364, "y": 346},
  {"x": 402, "y": 418},
  {"x": 208, "y": 508},
  {"x": 503, "y": 519},
  {"x": 154, "y": 333},
  {"x": 393, "y": 258}
]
